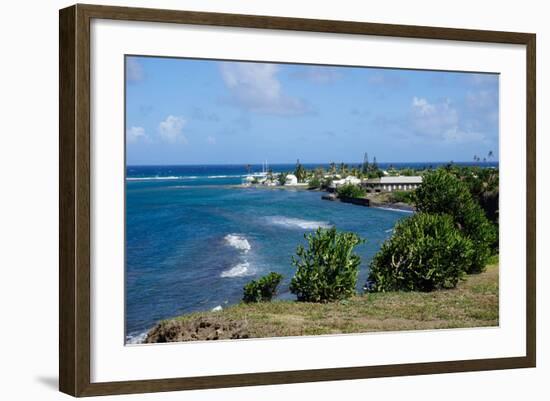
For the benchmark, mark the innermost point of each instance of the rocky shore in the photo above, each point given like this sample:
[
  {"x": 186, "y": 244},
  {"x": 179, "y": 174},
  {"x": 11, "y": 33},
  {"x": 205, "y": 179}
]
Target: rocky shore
[
  {"x": 200, "y": 329},
  {"x": 395, "y": 206}
]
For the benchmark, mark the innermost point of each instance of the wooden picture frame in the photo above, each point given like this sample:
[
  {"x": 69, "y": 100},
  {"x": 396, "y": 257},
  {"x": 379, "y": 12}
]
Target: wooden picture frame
[{"x": 74, "y": 199}]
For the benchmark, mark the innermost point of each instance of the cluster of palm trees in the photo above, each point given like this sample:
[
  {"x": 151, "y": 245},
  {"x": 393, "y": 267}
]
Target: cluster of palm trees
[{"x": 489, "y": 157}]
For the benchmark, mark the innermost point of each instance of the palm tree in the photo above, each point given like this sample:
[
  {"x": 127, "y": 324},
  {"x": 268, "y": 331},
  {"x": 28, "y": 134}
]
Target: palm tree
[
  {"x": 300, "y": 171},
  {"x": 374, "y": 165},
  {"x": 343, "y": 168},
  {"x": 366, "y": 163}
]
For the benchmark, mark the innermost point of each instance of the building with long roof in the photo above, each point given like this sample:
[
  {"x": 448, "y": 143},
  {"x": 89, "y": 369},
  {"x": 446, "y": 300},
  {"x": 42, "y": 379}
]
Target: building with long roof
[{"x": 393, "y": 183}]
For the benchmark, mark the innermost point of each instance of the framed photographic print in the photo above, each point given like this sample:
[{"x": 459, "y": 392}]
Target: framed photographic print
[{"x": 249, "y": 200}]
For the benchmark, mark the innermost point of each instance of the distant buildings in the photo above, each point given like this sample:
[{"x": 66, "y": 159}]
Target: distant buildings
[
  {"x": 348, "y": 180},
  {"x": 291, "y": 180},
  {"x": 383, "y": 184},
  {"x": 397, "y": 183}
]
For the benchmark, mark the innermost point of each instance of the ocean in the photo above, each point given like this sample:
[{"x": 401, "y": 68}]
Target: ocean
[{"x": 193, "y": 240}]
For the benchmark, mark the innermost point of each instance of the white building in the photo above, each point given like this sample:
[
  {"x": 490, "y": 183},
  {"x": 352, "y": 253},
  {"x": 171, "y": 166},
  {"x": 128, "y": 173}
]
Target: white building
[
  {"x": 348, "y": 180},
  {"x": 398, "y": 183},
  {"x": 291, "y": 180}
]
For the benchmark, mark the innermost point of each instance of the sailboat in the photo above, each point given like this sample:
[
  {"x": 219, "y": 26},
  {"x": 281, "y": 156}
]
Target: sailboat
[{"x": 258, "y": 177}]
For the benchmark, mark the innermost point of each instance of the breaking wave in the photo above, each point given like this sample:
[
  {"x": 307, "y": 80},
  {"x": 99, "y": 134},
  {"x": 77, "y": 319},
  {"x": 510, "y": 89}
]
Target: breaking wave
[
  {"x": 182, "y": 177},
  {"x": 225, "y": 176},
  {"x": 138, "y": 338},
  {"x": 238, "y": 242},
  {"x": 294, "y": 223},
  {"x": 393, "y": 209},
  {"x": 169, "y": 177},
  {"x": 239, "y": 270}
]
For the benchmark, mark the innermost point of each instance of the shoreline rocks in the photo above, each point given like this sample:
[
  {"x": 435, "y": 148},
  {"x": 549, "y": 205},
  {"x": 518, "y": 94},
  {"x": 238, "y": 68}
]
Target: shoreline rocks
[{"x": 198, "y": 329}]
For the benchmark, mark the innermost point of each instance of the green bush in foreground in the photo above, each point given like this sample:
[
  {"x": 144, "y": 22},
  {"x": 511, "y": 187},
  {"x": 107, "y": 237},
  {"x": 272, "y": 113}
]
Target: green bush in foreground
[
  {"x": 442, "y": 192},
  {"x": 483, "y": 235},
  {"x": 327, "y": 270},
  {"x": 351, "y": 191},
  {"x": 425, "y": 253},
  {"x": 263, "y": 289}
]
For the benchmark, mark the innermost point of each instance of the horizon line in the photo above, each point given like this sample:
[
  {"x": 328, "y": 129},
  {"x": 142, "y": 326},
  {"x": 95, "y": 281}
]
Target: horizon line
[{"x": 320, "y": 163}]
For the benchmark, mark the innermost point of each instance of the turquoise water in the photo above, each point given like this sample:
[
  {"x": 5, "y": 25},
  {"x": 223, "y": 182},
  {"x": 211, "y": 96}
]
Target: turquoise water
[{"x": 193, "y": 241}]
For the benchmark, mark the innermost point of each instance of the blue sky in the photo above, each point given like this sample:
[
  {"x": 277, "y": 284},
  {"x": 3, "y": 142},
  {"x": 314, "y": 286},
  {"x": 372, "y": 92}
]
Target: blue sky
[{"x": 186, "y": 111}]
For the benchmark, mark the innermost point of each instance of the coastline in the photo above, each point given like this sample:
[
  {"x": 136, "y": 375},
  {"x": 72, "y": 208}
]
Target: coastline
[
  {"x": 397, "y": 206},
  {"x": 271, "y": 222},
  {"x": 284, "y": 218},
  {"x": 371, "y": 312}
]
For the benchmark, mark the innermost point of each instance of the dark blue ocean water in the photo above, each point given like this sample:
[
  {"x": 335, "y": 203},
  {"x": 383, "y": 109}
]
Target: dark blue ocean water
[{"x": 193, "y": 241}]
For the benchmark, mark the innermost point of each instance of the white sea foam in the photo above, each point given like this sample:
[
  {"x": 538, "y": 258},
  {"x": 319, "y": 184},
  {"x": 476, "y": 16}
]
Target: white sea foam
[
  {"x": 181, "y": 177},
  {"x": 239, "y": 270},
  {"x": 294, "y": 223},
  {"x": 225, "y": 176},
  {"x": 393, "y": 209},
  {"x": 136, "y": 338},
  {"x": 238, "y": 242},
  {"x": 169, "y": 177}
]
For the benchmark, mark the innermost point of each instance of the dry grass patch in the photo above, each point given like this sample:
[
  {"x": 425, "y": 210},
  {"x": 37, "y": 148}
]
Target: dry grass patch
[{"x": 474, "y": 303}]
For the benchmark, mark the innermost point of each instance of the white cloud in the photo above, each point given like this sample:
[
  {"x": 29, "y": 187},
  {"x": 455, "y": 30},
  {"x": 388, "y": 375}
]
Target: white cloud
[
  {"x": 171, "y": 129},
  {"x": 255, "y": 86},
  {"x": 440, "y": 121},
  {"x": 211, "y": 140},
  {"x": 134, "y": 70},
  {"x": 134, "y": 134},
  {"x": 422, "y": 107}
]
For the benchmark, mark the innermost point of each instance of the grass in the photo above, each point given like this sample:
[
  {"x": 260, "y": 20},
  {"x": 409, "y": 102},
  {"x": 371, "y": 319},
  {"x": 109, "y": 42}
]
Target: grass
[{"x": 474, "y": 303}]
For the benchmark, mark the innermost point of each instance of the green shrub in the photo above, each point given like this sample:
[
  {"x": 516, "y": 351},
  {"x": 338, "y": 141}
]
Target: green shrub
[
  {"x": 425, "y": 253},
  {"x": 351, "y": 191},
  {"x": 407, "y": 172},
  {"x": 442, "y": 192},
  {"x": 314, "y": 183},
  {"x": 326, "y": 182},
  {"x": 263, "y": 289},
  {"x": 401, "y": 196},
  {"x": 483, "y": 235},
  {"x": 375, "y": 174},
  {"x": 327, "y": 270},
  {"x": 483, "y": 184}
]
